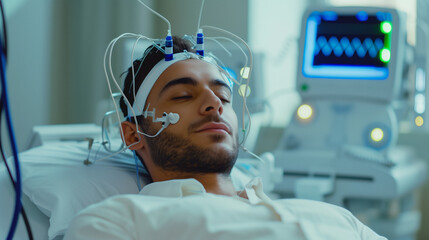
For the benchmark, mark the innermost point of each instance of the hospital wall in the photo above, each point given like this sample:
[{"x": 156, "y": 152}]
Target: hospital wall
[
  {"x": 82, "y": 35},
  {"x": 55, "y": 68},
  {"x": 55, "y": 64},
  {"x": 28, "y": 65},
  {"x": 229, "y": 15}
]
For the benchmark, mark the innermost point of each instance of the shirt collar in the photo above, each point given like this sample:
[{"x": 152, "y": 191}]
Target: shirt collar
[
  {"x": 187, "y": 187},
  {"x": 174, "y": 188},
  {"x": 254, "y": 191}
]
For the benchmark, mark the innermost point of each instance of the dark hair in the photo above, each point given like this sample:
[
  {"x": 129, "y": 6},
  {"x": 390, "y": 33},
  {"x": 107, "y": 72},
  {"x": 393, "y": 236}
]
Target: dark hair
[{"x": 150, "y": 58}]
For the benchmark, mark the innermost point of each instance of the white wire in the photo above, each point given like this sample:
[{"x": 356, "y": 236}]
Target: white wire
[
  {"x": 245, "y": 111},
  {"x": 132, "y": 69},
  {"x": 159, "y": 15},
  {"x": 238, "y": 83},
  {"x": 110, "y": 155},
  {"x": 222, "y": 66},
  {"x": 109, "y": 50},
  {"x": 112, "y": 77},
  {"x": 134, "y": 93},
  {"x": 245, "y": 108},
  {"x": 240, "y": 39},
  {"x": 220, "y": 44},
  {"x": 116, "y": 83},
  {"x": 254, "y": 155},
  {"x": 110, "y": 47},
  {"x": 238, "y": 46},
  {"x": 201, "y": 12},
  {"x": 147, "y": 135}
]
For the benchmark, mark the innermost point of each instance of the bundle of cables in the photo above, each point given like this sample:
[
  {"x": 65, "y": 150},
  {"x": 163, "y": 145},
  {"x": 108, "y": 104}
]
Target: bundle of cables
[{"x": 4, "y": 108}]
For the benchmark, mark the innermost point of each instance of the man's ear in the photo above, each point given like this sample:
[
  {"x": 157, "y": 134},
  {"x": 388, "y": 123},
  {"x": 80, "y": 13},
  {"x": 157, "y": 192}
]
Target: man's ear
[{"x": 131, "y": 137}]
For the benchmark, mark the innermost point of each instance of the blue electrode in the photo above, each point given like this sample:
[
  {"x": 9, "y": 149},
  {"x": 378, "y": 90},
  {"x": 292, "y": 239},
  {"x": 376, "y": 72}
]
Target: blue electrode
[
  {"x": 200, "y": 43},
  {"x": 168, "y": 47}
]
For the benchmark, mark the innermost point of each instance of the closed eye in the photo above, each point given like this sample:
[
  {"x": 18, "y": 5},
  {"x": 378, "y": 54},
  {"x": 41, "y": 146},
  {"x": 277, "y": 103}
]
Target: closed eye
[
  {"x": 224, "y": 100},
  {"x": 224, "y": 97},
  {"x": 182, "y": 97}
]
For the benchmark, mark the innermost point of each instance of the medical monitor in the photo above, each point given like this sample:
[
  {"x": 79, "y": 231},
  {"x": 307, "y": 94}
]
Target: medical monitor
[{"x": 351, "y": 52}]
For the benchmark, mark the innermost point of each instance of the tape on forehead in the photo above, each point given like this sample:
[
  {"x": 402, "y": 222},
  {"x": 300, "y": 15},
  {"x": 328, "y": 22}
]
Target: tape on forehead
[{"x": 155, "y": 73}]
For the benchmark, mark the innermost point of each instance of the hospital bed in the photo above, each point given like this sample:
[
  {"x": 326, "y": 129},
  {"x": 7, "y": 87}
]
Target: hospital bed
[{"x": 57, "y": 184}]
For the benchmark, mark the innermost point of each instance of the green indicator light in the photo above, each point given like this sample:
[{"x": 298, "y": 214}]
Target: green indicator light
[
  {"x": 386, "y": 27},
  {"x": 304, "y": 87},
  {"x": 385, "y": 55}
]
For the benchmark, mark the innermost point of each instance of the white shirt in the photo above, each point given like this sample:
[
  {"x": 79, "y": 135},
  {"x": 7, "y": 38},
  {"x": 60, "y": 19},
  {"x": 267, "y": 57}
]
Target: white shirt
[{"x": 182, "y": 209}]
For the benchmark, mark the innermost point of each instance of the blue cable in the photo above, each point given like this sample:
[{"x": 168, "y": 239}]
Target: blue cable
[{"x": 18, "y": 187}]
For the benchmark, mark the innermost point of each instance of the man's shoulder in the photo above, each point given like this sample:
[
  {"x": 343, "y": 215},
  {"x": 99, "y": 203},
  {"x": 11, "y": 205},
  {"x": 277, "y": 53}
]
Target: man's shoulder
[
  {"x": 304, "y": 207},
  {"x": 305, "y": 203},
  {"x": 116, "y": 209},
  {"x": 118, "y": 206},
  {"x": 113, "y": 203},
  {"x": 315, "y": 213}
]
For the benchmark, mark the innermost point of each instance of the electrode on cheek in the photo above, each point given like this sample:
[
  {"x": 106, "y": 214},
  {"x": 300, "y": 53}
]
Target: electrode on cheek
[
  {"x": 173, "y": 118},
  {"x": 166, "y": 120}
]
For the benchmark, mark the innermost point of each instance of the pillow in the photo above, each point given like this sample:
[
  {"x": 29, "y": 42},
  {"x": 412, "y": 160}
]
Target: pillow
[
  {"x": 38, "y": 221},
  {"x": 58, "y": 182}
]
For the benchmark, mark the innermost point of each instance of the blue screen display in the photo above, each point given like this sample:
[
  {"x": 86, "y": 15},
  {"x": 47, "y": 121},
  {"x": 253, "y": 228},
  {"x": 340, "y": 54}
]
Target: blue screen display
[{"x": 354, "y": 46}]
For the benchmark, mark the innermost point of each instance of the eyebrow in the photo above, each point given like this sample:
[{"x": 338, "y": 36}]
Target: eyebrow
[
  {"x": 179, "y": 81},
  {"x": 221, "y": 83},
  {"x": 192, "y": 82}
]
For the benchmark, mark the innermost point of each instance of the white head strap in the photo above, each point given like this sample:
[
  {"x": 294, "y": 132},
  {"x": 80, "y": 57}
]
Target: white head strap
[{"x": 155, "y": 73}]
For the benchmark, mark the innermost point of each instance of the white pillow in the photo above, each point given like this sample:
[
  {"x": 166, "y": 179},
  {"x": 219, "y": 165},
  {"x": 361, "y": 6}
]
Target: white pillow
[{"x": 60, "y": 185}]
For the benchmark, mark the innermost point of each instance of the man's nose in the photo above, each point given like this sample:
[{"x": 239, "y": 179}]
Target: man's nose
[{"x": 211, "y": 103}]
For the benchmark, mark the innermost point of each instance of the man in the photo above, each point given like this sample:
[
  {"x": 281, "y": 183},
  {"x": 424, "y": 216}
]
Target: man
[{"x": 190, "y": 160}]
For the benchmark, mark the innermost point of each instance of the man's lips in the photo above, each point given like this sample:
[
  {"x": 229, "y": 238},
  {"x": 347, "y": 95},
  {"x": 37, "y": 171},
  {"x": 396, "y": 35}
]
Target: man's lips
[{"x": 214, "y": 126}]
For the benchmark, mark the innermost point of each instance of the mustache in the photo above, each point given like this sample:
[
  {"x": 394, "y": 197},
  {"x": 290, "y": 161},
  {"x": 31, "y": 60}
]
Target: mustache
[{"x": 209, "y": 118}]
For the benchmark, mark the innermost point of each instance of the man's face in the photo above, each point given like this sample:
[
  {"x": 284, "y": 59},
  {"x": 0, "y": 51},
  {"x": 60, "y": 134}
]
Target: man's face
[{"x": 205, "y": 139}]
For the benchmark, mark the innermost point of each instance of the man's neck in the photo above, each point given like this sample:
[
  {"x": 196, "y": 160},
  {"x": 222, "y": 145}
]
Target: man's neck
[{"x": 215, "y": 183}]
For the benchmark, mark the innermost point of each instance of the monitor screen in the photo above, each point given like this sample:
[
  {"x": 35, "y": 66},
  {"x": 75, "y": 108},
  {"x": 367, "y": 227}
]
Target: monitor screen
[{"x": 347, "y": 46}]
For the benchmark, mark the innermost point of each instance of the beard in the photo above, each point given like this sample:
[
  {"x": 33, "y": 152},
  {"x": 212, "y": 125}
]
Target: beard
[{"x": 176, "y": 153}]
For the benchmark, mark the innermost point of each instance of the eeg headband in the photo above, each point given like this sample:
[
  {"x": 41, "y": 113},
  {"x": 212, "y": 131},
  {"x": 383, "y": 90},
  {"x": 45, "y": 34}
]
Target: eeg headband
[{"x": 155, "y": 73}]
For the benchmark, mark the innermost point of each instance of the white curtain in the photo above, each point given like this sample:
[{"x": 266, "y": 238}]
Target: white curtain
[{"x": 81, "y": 33}]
